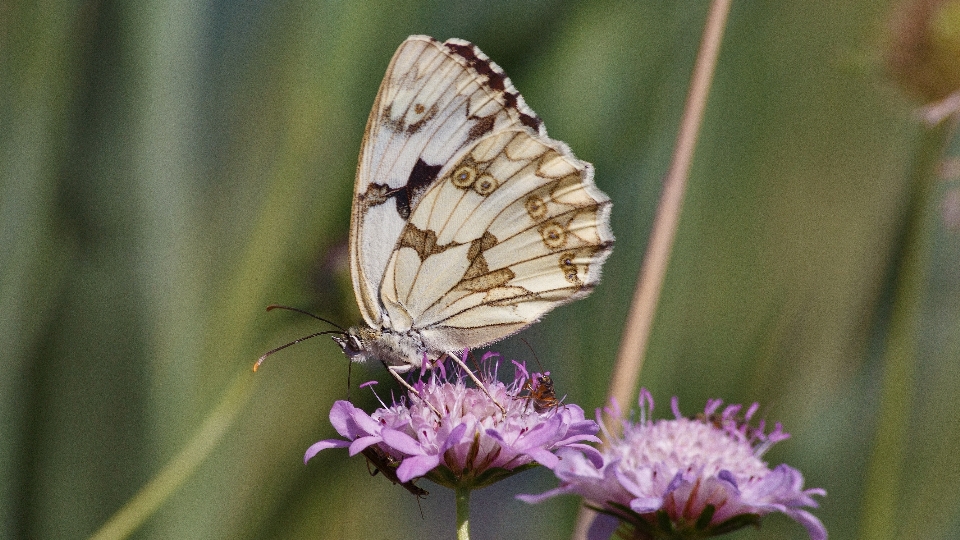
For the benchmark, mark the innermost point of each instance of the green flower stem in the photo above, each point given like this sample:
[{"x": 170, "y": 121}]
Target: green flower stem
[
  {"x": 463, "y": 512},
  {"x": 885, "y": 467}
]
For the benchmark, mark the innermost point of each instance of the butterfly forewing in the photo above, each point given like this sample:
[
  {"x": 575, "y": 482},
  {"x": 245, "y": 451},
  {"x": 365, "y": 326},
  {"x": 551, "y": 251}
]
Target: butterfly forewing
[
  {"x": 469, "y": 223},
  {"x": 435, "y": 99}
]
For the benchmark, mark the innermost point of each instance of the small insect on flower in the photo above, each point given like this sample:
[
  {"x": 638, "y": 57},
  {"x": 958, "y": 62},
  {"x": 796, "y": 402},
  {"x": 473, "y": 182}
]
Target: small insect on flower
[
  {"x": 538, "y": 386},
  {"x": 539, "y": 389},
  {"x": 541, "y": 393},
  {"x": 686, "y": 477}
]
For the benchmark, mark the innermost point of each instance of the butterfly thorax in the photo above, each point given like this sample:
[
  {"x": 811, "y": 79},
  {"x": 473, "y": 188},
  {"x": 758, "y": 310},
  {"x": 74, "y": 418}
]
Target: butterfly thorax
[{"x": 402, "y": 349}]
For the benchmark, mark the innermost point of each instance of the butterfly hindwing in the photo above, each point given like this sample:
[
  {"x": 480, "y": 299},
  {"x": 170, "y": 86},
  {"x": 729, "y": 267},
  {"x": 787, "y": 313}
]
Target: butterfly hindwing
[
  {"x": 435, "y": 100},
  {"x": 513, "y": 228}
]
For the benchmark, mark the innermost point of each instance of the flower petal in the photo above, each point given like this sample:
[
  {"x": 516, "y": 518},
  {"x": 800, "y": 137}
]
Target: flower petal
[
  {"x": 350, "y": 421},
  {"x": 358, "y": 445},
  {"x": 589, "y": 452},
  {"x": 416, "y": 466},
  {"x": 401, "y": 441},
  {"x": 544, "y": 457},
  {"x": 814, "y": 526},
  {"x": 316, "y": 447},
  {"x": 534, "y": 499},
  {"x": 453, "y": 438},
  {"x": 340, "y": 415}
]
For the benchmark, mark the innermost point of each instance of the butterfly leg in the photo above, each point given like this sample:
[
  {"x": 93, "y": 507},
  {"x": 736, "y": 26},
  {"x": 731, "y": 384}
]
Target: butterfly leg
[
  {"x": 476, "y": 381},
  {"x": 413, "y": 391}
]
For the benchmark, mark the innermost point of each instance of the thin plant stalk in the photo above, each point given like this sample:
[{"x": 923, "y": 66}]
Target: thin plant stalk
[
  {"x": 636, "y": 334},
  {"x": 142, "y": 505},
  {"x": 633, "y": 345},
  {"x": 463, "y": 512},
  {"x": 885, "y": 468}
]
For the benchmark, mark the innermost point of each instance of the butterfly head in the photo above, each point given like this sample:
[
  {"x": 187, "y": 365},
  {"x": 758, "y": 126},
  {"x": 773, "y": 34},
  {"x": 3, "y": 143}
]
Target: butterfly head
[
  {"x": 400, "y": 351},
  {"x": 353, "y": 342}
]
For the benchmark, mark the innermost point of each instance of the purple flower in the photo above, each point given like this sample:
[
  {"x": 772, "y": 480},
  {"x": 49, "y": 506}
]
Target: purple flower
[
  {"x": 686, "y": 477},
  {"x": 473, "y": 443}
]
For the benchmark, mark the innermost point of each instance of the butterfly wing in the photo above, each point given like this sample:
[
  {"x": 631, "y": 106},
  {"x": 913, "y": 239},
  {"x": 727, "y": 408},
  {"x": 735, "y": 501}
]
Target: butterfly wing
[
  {"x": 513, "y": 228},
  {"x": 436, "y": 100}
]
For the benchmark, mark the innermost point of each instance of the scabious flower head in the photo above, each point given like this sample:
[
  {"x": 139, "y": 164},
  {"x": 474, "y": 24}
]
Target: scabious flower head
[
  {"x": 685, "y": 477},
  {"x": 472, "y": 442}
]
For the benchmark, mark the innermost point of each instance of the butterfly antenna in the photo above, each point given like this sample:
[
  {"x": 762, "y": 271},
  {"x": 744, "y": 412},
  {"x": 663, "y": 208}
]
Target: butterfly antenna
[
  {"x": 294, "y": 342},
  {"x": 288, "y": 308}
]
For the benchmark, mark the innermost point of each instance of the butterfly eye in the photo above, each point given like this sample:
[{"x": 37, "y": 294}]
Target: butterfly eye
[
  {"x": 464, "y": 177},
  {"x": 351, "y": 345},
  {"x": 553, "y": 235},
  {"x": 485, "y": 185}
]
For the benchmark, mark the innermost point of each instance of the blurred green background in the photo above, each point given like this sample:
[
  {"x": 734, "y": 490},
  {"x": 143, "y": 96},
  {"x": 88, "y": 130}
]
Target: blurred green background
[{"x": 170, "y": 168}]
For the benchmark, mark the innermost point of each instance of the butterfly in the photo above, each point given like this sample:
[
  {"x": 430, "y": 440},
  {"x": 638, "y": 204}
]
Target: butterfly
[{"x": 468, "y": 222}]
